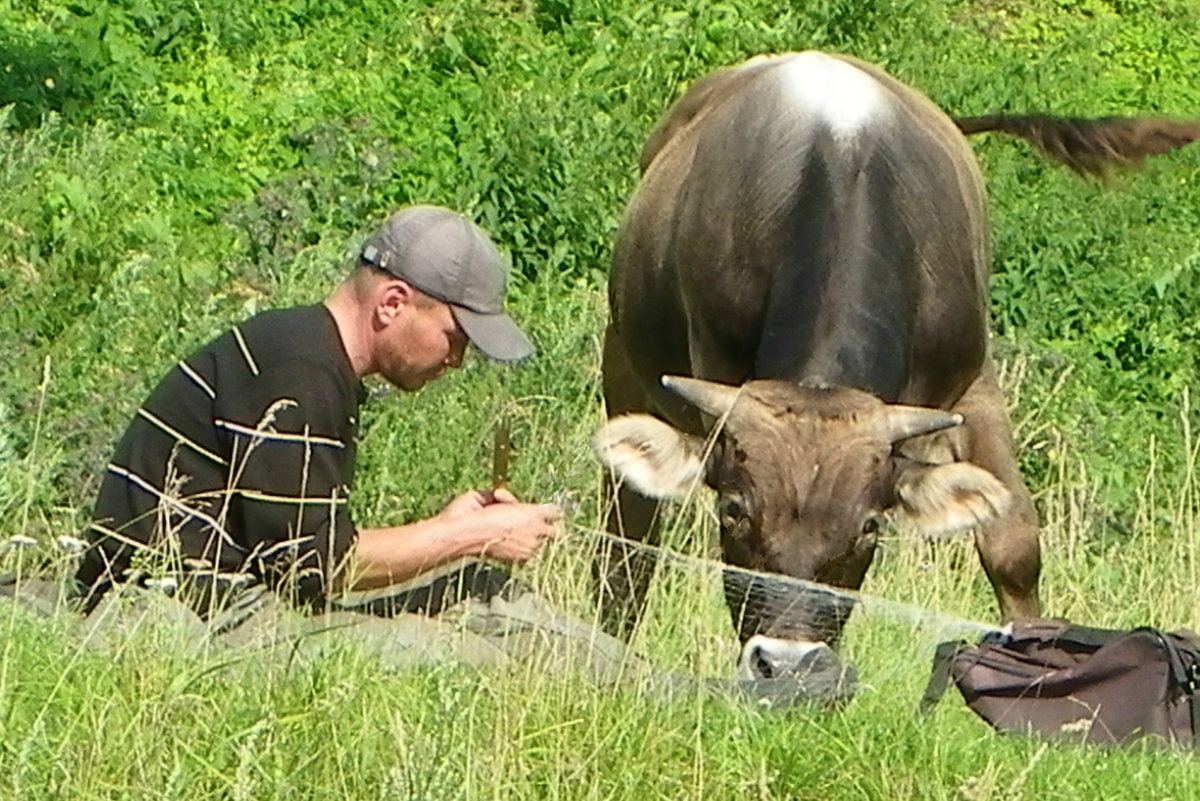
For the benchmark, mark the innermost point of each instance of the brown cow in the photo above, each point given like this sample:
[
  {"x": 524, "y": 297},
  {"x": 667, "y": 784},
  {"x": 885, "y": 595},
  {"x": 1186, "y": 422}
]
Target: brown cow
[{"x": 805, "y": 263}]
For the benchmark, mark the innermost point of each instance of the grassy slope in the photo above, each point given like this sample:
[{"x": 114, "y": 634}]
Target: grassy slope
[{"x": 206, "y": 164}]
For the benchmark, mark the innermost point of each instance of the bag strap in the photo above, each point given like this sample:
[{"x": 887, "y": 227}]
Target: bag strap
[
  {"x": 1194, "y": 703},
  {"x": 1088, "y": 636},
  {"x": 1185, "y": 673},
  {"x": 939, "y": 676}
]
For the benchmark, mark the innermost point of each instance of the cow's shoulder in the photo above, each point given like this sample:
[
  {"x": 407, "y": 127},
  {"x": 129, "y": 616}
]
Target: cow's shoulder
[
  {"x": 706, "y": 94},
  {"x": 916, "y": 104},
  {"x": 845, "y": 91}
]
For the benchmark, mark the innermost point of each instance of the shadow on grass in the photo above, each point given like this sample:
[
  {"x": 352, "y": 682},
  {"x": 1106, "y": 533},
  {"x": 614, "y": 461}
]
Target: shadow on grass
[{"x": 41, "y": 77}]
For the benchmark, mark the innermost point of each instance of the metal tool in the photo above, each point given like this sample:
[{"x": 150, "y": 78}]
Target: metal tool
[{"x": 501, "y": 451}]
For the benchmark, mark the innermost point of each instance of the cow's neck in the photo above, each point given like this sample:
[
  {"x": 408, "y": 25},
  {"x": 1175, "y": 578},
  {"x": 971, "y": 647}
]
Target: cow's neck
[{"x": 841, "y": 313}]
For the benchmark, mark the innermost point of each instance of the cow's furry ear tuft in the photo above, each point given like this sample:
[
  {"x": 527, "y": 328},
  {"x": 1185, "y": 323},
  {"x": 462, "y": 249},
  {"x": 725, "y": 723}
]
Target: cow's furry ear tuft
[
  {"x": 950, "y": 498},
  {"x": 651, "y": 456}
]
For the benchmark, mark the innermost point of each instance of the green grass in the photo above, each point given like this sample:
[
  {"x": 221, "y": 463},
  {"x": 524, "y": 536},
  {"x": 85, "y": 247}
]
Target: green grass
[
  {"x": 154, "y": 716},
  {"x": 167, "y": 171}
]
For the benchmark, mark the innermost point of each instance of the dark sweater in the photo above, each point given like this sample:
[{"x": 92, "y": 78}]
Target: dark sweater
[{"x": 239, "y": 463}]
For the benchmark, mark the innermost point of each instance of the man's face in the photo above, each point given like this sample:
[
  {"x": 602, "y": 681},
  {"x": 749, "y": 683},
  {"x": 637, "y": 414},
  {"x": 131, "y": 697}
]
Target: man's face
[{"x": 421, "y": 344}]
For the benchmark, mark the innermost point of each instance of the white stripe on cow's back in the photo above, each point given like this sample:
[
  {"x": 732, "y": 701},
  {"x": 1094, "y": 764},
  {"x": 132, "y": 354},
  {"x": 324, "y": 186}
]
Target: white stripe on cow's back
[
  {"x": 180, "y": 438},
  {"x": 198, "y": 379},
  {"x": 237, "y": 334},
  {"x": 845, "y": 97},
  {"x": 279, "y": 436}
]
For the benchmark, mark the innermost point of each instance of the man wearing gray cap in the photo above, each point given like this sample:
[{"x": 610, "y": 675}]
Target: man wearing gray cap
[
  {"x": 236, "y": 470},
  {"x": 238, "y": 466}
]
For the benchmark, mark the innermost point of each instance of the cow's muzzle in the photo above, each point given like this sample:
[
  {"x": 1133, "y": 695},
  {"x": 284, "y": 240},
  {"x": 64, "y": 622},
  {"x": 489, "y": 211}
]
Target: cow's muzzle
[
  {"x": 773, "y": 668},
  {"x": 771, "y": 658}
]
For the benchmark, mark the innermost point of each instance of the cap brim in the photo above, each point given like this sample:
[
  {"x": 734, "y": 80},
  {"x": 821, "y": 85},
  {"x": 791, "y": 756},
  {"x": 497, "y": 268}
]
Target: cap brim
[{"x": 496, "y": 335}]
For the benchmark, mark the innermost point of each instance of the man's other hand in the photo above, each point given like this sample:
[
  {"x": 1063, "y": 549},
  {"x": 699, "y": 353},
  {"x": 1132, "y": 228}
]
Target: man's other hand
[
  {"x": 519, "y": 529},
  {"x": 512, "y": 532},
  {"x": 474, "y": 500}
]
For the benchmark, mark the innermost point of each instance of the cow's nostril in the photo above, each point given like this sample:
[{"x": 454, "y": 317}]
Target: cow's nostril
[
  {"x": 762, "y": 666},
  {"x": 766, "y": 657}
]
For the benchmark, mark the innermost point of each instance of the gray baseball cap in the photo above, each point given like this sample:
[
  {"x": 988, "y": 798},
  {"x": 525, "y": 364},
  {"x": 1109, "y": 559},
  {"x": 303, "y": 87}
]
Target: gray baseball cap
[{"x": 448, "y": 257}]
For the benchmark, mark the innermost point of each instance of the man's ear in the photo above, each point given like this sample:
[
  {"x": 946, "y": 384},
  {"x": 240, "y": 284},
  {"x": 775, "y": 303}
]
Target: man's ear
[
  {"x": 949, "y": 498},
  {"x": 391, "y": 297},
  {"x": 651, "y": 456}
]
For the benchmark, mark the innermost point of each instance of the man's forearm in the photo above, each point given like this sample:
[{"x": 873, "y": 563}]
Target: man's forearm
[
  {"x": 385, "y": 556},
  {"x": 493, "y": 525}
]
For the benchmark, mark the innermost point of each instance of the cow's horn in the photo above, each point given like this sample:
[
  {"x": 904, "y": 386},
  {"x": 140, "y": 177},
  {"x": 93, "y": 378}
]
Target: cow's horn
[
  {"x": 707, "y": 396},
  {"x": 912, "y": 421}
]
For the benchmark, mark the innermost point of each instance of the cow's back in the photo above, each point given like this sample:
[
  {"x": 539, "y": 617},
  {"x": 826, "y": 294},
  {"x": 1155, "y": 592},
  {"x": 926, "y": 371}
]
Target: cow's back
[{"x": 808, "y": 217}]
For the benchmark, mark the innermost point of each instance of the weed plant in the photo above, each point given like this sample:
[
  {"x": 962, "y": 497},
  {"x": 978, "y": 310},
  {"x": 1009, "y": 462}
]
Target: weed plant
[{"x": 166, "y": 171}]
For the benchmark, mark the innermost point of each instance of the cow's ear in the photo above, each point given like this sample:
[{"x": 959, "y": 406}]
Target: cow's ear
[
  {"x": 651, "y": 456},
  {"x": 946, "y": 499}
]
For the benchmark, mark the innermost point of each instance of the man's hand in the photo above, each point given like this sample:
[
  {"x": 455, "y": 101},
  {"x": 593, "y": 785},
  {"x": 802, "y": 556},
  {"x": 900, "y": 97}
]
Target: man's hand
[
  {"x": 512, "y": 532},
  {"x": 474, "y": 500},
  {"x": 492, "y": 525},
  {"x": 520, "y": 530}
]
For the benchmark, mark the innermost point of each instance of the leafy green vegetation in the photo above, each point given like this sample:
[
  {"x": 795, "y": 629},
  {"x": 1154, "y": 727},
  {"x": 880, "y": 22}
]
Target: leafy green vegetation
[{"x": 168, "y": 169}]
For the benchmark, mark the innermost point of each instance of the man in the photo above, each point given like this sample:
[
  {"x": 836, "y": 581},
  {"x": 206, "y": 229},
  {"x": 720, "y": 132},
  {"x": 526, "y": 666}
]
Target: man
[{"x": 238, "y": 466}]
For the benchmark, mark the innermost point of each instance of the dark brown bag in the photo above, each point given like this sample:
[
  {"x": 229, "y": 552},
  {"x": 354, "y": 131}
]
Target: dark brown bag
[{"x": 1076, "y": 683}]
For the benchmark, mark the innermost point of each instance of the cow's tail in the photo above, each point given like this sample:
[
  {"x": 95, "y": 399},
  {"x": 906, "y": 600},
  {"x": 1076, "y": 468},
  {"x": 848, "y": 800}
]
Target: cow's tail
[{"x": 1091, "y": 146}]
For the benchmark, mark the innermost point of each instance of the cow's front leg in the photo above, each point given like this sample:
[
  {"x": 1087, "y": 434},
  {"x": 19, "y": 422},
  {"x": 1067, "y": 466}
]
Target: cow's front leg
[
  {"x": 1008, "y": 547},
  {"x": 621, "y": 572}
]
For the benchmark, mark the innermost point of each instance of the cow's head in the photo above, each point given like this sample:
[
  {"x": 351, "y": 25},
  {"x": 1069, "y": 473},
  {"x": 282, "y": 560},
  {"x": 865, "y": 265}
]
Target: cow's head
[{"x": 805, "y": 476}]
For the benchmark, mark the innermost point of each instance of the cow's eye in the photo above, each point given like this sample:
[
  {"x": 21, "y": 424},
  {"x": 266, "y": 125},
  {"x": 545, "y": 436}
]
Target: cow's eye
[
  {"x": 731, "y": 511},
  {"x": 870, "y": 525}
]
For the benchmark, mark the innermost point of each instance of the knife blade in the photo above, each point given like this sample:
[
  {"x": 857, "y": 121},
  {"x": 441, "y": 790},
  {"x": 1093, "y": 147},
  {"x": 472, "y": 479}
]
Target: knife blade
[{"x": 501, "y": 451}]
